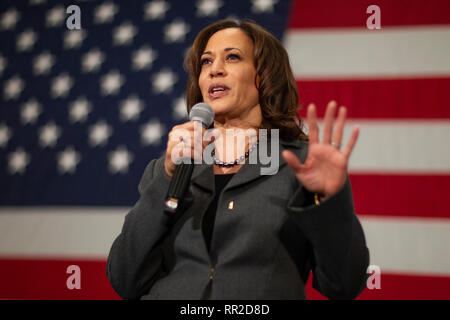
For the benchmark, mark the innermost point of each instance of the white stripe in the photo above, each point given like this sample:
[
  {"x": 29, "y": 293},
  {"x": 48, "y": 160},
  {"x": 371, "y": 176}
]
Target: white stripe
[
  {"x": 59, "y": 231},
  {"x": 358, "y": 52},
  {"x": 408, "y": 245},
  {"x": 399, "y": 146},
  {"x": 415, "y": 245}
]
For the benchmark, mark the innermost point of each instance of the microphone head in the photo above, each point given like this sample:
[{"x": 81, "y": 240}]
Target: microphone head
[{"x": 202, "y": 112}]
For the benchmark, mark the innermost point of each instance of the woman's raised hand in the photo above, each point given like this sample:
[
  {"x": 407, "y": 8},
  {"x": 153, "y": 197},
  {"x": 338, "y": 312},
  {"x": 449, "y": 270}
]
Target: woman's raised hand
[{"x": 325, "y": 169}]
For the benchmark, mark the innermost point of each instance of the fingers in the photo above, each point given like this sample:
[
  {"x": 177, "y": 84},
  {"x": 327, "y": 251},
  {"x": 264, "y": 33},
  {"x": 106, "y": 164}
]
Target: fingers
[
  {"x": 351, "y": 143},
  {"x": 188, "y": 133},
  {"x": 330, "y": 134},
  {"x": 209, "y": 137},
  {"x": 328, "y": 121},
  {"x": 313, "y": 128},
  {"x": 339, "y": 130},
  {"x": 188, "y": 140},
  {"x": 197, "y": 147}
]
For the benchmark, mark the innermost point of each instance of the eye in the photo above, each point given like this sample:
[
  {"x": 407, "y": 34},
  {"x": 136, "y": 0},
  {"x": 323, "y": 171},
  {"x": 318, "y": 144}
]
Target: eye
[
  {"x": 233, "y": 56},
  {"x": 205, "y": 61}
]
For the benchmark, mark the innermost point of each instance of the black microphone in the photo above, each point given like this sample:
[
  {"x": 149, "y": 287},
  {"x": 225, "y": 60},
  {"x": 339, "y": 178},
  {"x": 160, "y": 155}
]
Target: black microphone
[{"x": 203, "y": 113}]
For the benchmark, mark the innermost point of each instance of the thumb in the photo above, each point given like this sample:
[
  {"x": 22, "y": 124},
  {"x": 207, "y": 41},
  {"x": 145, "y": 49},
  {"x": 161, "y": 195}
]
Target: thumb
[{"x": 292, "y": 160}]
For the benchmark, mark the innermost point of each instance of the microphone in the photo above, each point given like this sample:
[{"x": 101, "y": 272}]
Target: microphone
[{"x": 203, "y": 113}]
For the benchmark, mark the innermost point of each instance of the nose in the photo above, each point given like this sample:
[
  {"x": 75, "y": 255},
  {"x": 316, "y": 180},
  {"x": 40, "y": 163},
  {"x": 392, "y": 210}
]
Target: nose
[{"x": 217, "y": 69}]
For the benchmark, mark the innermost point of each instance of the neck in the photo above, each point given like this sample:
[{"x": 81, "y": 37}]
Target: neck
[
  {"x": 237, "y": 134},
  {"x": 233, "y": 143}
]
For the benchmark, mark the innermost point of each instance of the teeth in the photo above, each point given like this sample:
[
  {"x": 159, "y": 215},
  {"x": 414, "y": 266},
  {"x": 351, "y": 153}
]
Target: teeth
[{"x": 218, "y": 89}]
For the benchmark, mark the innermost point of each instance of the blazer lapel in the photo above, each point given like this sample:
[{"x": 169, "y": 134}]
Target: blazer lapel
[{"x": 250, "y": 172}]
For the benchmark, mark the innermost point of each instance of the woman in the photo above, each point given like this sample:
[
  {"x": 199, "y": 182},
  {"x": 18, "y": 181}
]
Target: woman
[{"x": 244, "y": 235}]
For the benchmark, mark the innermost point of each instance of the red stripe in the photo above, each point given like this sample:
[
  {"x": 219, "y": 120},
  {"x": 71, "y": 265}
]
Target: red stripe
[
  {"x": 401, "y": 195},
  {"x": 352, "y": 13},
  {"x": 380, "y": 99},
  {"x": 46, "y": 279},
  {"x": 399, "y": 287}
]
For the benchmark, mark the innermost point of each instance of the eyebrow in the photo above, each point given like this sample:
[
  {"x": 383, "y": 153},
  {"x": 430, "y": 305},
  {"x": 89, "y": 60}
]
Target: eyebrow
[{"x": 226, "y": 50}]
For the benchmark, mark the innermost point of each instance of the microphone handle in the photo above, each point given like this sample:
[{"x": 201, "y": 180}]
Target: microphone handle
[
  {"x": 178, "y": 187},
  {"x": 180, "y": 183}
]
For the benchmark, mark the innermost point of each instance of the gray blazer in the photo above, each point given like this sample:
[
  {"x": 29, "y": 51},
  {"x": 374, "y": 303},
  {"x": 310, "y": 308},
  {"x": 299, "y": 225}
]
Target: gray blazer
[{"x": 268, "y": 236}]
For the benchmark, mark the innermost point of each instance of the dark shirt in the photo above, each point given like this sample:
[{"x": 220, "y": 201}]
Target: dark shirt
[{"x": 210, "y": 214}]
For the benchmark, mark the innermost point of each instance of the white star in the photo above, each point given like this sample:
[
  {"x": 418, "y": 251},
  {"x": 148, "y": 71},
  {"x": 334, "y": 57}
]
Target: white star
[
  {"x": 5, "y": 135},
  {"x": 176, "y": 31},
  {"x": 163, "y": 81},
  {"x": 233, "y": 17},
  {"x": 105, "y": 12},
  {"x": 79, "y": 110},
  {"x": 61, "y": 85},
  {"x": 155, "y": 10},
  {"x": 49, "y": 134},
  {"x": 208, "y": 7},
  {"x": 68, "y": 160},
  {"x": 74, "y": 38},
  {"x": 111, "y": 82},
  {"x": 2, "y": 64},
  {"x": 92, "y": 60},
  {"x": 151, "y": 132},
  {"x": 17, "y": 161},
  {"x": 130, "y": 108},
  {"x": 55, "y": 16},
  {"x": 9, "y": 19},
  {"x": 179, "y": 109},
  {"x": 30, "y": 111},
  {"x": 37, "y": 2},
  {"x": 119, "y": 160},
  {"x": 99, "y": 133},
  {"x": 124, "y": 34},
  {"x": 143, "y": 58},
  {"x": 43, "y": 63},
  {"x": 13, "y": 87},
  {"x": 260, "y": 6},
  {"x": 25, "y": 40}
]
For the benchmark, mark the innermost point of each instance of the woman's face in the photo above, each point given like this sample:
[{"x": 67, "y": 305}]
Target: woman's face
[{"x": 227, "y": 77}]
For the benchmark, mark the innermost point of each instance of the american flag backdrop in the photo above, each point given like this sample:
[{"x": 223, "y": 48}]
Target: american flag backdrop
[{"x": 83, "y": 111}]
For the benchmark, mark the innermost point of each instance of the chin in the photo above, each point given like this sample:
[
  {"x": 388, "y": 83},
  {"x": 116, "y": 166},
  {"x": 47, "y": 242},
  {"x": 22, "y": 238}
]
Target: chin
[{"x": 219, "y": 107}]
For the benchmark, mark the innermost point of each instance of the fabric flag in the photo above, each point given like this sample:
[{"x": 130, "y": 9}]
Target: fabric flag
[{"x": 83, "y": 111}]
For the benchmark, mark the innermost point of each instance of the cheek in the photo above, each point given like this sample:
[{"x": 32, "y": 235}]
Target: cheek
[
  {"x": 250, "y": 86},
  {"x": 248, "y": 78},
  {"x": 201, "y": 85}
]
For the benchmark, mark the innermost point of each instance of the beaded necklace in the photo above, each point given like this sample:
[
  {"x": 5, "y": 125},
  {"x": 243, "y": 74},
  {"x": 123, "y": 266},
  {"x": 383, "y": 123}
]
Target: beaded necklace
[{"x": 239, "y": 160}]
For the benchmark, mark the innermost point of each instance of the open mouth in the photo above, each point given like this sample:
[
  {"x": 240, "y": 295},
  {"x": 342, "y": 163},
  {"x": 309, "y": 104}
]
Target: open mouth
[{"x": 217, "y": 91}]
